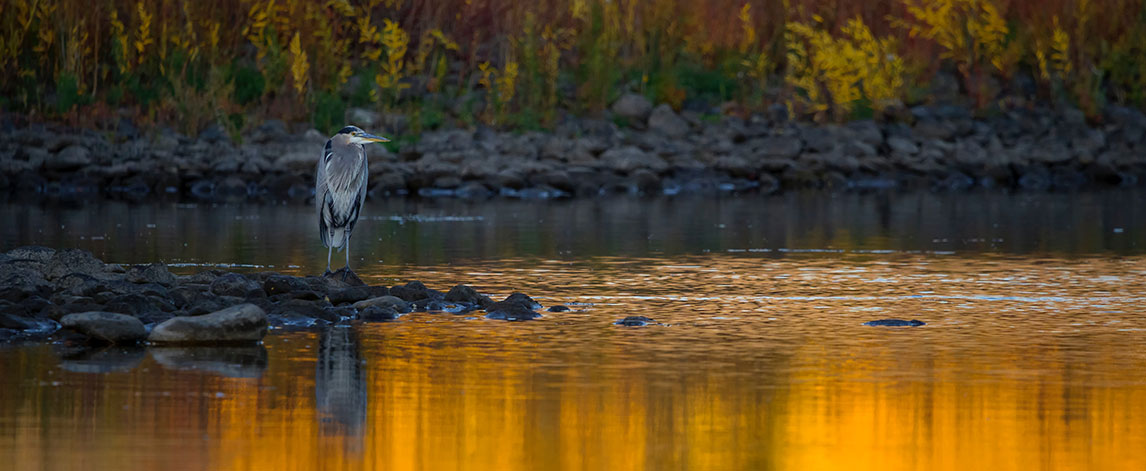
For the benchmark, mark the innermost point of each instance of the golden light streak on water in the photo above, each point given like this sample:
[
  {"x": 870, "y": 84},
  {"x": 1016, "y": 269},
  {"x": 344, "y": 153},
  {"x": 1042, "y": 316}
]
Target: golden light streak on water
[{"x": 1026, "y": 363}]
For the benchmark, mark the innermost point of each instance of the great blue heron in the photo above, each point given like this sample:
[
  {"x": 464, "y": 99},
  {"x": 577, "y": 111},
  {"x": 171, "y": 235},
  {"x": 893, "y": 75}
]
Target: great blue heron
[{"x": 340, "y": 187}]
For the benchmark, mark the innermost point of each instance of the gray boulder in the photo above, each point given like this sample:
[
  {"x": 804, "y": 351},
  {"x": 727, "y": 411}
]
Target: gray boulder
[
  {"x": 633, "y": 107},
  {"x": 665, "y": 121},
  {"x": 106, "y": 327},
  {"x": 629, "y": 158},
  {"x": 236, "y": 324},
  {"x": 71, "y": 158},
  {"x": 785, "y": 147}
]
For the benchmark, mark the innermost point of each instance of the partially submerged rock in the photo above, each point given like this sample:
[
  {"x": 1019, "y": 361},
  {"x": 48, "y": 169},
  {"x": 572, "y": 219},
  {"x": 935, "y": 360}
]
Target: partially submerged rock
[
  {"x": 244, "y": 323},
  {"x": 516, "y": 307},
  {"x": 397, "y": 304},
  {"x": 635, "y": 321},
  {"x": 106, "y": 327},
  {"x": 895, "y": 323}
]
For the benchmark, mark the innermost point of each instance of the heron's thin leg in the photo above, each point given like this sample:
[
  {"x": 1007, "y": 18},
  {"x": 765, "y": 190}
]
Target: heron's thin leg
[
  {"x": 329, "y": 252},
  {"x": 346, "y": 246}
]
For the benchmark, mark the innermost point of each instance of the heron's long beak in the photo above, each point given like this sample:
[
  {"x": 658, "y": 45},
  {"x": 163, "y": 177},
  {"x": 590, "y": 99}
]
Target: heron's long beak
[{"x": 372, "y": 138}]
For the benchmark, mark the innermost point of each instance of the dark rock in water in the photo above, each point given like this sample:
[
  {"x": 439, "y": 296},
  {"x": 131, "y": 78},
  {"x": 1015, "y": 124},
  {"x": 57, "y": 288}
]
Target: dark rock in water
[
  {"x": 340, "y": 312},
  {"x": 523, "y": 300},
  {"x": 414, "y": 291},
  {"x": 155, "y": 273},
  {"x": 231, "y": 361},
  {"x": 345, "y": 276},
  {"x": 376, "y": 291},
  {"x": 895, "y": 323},
  {"x": 510, "y": 311},
  {"x": 635, "y": 321},
  {"x": 100, "y": 360},
  {"x": 378, "y": 313},
  {"x": 281, "y": 284},
  {"x": 468, "y": 295},
  {"x": 395, "y": 303},
  {"x": 234, "y": 284},
  {"x": 558, "y": 308},
  {"x": 106, "y": 327},
  {"x": 12, "y": 322},
  {"x": 408, "y": 294},
  {"x": 305, "y": 308},
  {"x": 241, "y": 323},
  {"x": 350, "y": 295}
]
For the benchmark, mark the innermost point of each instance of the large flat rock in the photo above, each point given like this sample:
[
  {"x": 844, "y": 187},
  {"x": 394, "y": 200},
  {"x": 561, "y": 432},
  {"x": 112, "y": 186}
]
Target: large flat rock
[{"x": 243, "y": 323}]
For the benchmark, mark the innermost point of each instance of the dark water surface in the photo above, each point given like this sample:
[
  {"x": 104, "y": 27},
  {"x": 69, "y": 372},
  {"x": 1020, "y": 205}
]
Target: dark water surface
[{"x": 1033, "y": 356}]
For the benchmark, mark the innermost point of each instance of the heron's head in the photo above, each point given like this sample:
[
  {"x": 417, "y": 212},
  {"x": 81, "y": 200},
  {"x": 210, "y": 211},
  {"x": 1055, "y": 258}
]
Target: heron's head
[{"x": 354, "y": 135}]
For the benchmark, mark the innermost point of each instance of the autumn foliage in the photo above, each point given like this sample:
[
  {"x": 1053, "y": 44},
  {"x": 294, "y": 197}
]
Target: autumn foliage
[{"x": 507, "y": 63}]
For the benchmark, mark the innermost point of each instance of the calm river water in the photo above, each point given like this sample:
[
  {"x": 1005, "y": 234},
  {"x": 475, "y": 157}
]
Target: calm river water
[{"x": 1033, "y": 356}]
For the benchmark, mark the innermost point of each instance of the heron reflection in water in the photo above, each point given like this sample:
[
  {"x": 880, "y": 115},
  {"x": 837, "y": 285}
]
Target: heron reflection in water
[{"x": 340, "y": 386}]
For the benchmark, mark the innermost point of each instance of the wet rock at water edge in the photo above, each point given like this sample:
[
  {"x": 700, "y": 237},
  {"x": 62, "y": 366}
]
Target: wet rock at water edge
[
  {"x": 345, "y": 276},
  {"x": 515, "y": 307},
  {"x": 895, "y": 323},
  {"x": 635, "y": 321},
  {"x": 507, "y": 311},
  {"x": 467, "y": 295},
  {"x": 304, "y": 308},
  {"x": 349, "y": 295},
  {"x": 106, "y": 327},
  {"x": 378, "y": 313},
  {"x": 524, "y": 300},
  {"x": 393, "y": 302},
  {"x": 414, "y": 291},
  {"x": 283, "y": 284},
  {"x": 558, "y": 308},
  {"x": 244, "y": 323}
]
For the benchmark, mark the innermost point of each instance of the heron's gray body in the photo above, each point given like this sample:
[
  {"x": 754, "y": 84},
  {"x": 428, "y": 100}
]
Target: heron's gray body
[{"x": 340, "y": 188}]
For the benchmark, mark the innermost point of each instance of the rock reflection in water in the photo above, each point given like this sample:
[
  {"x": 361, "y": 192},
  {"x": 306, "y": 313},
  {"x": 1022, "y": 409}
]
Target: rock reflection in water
[
  {"x": 106, "y": 359},
  {"x": 233, "y": 361},
  {"x": 340, "y": 387}
]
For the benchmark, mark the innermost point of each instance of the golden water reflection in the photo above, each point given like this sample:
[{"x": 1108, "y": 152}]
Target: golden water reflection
[{"x": 762, "y": 364}]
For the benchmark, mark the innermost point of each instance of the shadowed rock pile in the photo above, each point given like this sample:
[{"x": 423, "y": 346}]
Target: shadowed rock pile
[{"x": 43, "y": 291}]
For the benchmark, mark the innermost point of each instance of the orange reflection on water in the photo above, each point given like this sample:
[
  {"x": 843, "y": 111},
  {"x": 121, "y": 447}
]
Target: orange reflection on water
[{"x": 762, "y": 364}]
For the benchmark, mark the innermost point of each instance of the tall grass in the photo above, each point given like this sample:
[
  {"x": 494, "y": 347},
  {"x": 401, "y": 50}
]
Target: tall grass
[{"x": 192, "y": 63}]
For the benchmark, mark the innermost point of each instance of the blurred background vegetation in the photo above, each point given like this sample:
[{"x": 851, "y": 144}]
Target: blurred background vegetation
[{"x": 522, "y": 65}]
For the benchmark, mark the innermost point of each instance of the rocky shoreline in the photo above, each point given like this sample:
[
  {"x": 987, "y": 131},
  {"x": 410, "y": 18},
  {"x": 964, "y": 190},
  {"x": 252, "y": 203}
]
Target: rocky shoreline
[
  {"x": 657, "y": 152},
  {"x": 72, "y": 296}
]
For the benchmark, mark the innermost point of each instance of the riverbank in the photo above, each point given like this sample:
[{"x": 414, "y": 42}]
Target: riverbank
[
  {"x": 658, "y": 152},
  {"x": 71, "y": 295}
]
